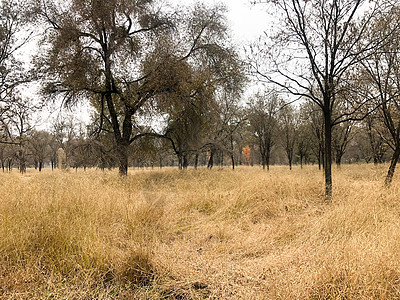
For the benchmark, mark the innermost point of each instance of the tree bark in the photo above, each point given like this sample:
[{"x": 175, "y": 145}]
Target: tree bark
[
  {"x": 196, "y": 160},
  {"x": 185, "y": 161},
  {"x": 319, "y": 159},
  {"x": 328, "y": 154},
  {"x": 393, "y": 162},
  {"x": 338, "y": 159},
  {"x": 122, "y": 152},
  {"x": 211, "y": 160}
]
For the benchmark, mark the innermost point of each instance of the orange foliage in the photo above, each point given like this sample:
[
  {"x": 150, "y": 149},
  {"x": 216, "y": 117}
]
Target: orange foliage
[{"x": 246, "y": 154}]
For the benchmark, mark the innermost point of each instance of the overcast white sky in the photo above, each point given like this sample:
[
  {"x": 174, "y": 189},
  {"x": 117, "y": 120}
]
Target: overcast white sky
[{"x": 246, "y": 21}]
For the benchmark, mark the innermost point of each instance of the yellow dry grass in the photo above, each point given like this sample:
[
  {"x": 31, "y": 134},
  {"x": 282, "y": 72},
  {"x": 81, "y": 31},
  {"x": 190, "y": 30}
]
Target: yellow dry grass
[{"x": 219, "y": 234}]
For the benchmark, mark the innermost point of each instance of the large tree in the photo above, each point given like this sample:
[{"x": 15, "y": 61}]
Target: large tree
[
  {"x": 125, "y": 53},
  {"x": 381, "y": 73},
  {"x": 14, "y": 34},
  {"x": 312, "y": 54}
]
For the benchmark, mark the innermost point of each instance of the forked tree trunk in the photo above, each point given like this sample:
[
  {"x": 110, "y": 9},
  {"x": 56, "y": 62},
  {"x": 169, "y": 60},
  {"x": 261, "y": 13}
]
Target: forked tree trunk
[{"x": 263, "y": 161}]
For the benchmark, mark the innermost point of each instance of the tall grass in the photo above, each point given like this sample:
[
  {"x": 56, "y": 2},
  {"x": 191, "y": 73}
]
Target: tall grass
[{"x": 194, "y": 234}]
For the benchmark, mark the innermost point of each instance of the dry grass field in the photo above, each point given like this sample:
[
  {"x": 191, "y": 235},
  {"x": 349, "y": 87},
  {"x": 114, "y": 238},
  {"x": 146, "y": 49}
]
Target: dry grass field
[{"x": 219, "y": 234}]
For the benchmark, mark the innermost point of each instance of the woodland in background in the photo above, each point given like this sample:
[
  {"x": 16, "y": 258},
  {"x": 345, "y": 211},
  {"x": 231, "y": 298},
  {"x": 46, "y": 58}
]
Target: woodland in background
[{"x": 169, "y": 88}]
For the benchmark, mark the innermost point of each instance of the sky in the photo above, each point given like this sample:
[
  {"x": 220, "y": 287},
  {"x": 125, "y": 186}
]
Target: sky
[{"x": 246, "y": 21}]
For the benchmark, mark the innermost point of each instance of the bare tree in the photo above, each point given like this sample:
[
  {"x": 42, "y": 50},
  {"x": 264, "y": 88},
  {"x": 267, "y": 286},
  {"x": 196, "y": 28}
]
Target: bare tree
[
  {"x": 376, "y": 142},
  {"x": 382, "y": 79},
  {"x": 313, "y": 53},
  {"x": 39, "y": 144},
  {"x": 341, "y": 138},
  {"x": 262, "y": 116}
]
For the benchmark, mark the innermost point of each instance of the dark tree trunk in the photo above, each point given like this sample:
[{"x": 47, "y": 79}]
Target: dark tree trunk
[
  {"x": 40, "y": 166},
  {"x": 211, "y": 160},
  {"x": 393, "y": 162},
  {"x": 180, "y": 161},
  {"x": 267, "y": 158},
  {"x": 232, "y": 156},
  {"x": 339, "y": 159},
  {"x": 263, "y": 161},
  {"x": 22, "y": 166},
  {"x": 196, "y": 160},
  {"x": 328, "y": 153},
  {"x": 122, "y": 153},
  {"x": 185, "y": 161},
  {"x": 319, "y": 159}
]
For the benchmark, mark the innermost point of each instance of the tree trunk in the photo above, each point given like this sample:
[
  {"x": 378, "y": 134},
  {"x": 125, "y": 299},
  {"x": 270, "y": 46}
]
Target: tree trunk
[
  {"x": 338, "y": 159},
  {"x": 211, "y": 160},
  {"x": 393, "y": 162},
  {"x": 40, "y": 166},
  {"x": 267, "y": 157},
  {"x": 122, "y": 152},
  {"x": 319, "y": 159},
  {"x": 328, "y": 154},
  {"x": 185, "y": 161},
  {"x": 263, "y": 161},
  {"x": 233, "y": 161},
  {"x": 180, "y": 161},
  {"x": 196, "y": 160}
]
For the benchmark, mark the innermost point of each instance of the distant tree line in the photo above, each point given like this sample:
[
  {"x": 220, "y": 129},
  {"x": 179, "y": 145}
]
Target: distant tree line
[
  {"x": 168, "y": 86},
  {"x": 266, "y": 131}
]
